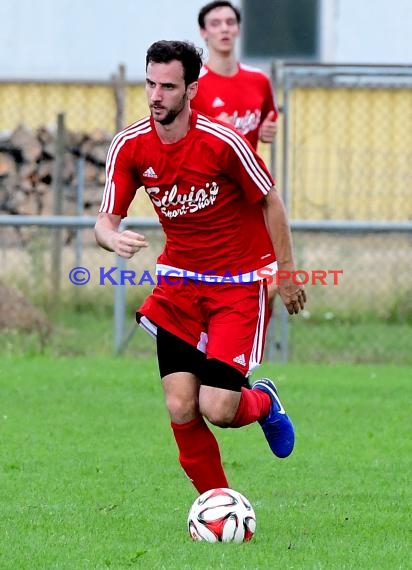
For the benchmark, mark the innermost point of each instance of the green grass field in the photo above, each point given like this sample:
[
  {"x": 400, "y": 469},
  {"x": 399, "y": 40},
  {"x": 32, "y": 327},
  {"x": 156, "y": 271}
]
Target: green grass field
[
  {"x": 87, "y": 330},
  {"x": 89, "y": 477}
]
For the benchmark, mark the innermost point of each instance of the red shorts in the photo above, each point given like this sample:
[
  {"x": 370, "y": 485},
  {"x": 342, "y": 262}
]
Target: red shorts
[{"x": 226, "y": 321}]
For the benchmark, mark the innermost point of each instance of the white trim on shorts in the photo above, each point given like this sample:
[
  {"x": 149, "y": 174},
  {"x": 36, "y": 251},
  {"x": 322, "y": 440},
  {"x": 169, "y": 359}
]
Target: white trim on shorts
[{"x": 170, "y": 271}]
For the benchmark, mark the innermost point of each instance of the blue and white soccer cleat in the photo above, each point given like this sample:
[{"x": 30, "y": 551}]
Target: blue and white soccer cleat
[{"x": 277, "y": 426}]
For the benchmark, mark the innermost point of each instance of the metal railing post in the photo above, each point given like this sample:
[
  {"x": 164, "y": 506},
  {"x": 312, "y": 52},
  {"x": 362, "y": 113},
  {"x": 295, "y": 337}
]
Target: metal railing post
[
  {"x": 79, "y": 208},
  {"x": 57, "y": 208},
  {"x": 119, "y": 308},
  {"x": 284, "y": 316}
]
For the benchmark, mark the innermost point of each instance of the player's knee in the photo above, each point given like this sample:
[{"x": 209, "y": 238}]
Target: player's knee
[
  {"x": 220, "y": 409},
  {"x": 219, "y": 417},
  {"x": 181, "y": 409}
]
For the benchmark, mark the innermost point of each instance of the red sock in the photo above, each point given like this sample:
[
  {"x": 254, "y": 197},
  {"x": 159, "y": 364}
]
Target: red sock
[
  {"x": 253, "y": 405},
  {"x": 199, "y": 454}
]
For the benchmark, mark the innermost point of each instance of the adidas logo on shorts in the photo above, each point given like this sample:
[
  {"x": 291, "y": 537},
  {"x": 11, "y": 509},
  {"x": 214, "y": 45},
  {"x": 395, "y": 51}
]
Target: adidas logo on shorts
[{"x": 240, "y": 359}]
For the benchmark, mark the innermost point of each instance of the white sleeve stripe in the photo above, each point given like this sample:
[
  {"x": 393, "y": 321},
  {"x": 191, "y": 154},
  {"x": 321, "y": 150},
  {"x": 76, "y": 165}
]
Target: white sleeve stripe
[
  {"x": 121, "y": 142},
  {"x": 108, "y": 199},
  {"x": 264, "y": 188},
  {"x": 242, "y": 146},
  {"x": 132, "y": 128},
  {"x": 108, "y": 188},
  {"x": 118, "y": 139},
  {"x": 241, "y": 149},
  {"x": 118, "y": 142},
  {"x": 247, "y": 153},
  {"x": 112, "y": 195},
  {"x": 105, "y": 199}
]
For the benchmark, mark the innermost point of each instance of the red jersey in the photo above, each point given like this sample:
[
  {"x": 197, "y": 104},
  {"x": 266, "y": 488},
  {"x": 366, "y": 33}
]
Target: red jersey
[
  {"x": 247, "y": 97},
  {"x": 206, "y": 189}
]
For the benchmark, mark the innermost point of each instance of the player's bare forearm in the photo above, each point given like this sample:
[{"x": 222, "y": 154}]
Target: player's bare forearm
[
  {"x": 293, "y": 295},
  {"x": 278, "y": 228},
  {"x": 107, "y": 234},
  {"x": 106, "y": 226}
]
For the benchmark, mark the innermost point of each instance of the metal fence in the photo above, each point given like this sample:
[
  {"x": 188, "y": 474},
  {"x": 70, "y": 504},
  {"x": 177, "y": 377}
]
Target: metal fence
[
  {"x": 346, "y": 145},
  {"x": 344, "y": 155},
  {"x": 357, "y": 276},
  {"x": 88, "y": 105},
  {"x": 343, "y": 159}
]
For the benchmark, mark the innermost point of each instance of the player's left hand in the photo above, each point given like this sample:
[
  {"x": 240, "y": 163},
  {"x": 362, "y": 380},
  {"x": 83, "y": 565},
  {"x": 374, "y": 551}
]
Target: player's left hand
[
  {"x": 293, "y": 296},
  {"x": 268, "y": 128}
]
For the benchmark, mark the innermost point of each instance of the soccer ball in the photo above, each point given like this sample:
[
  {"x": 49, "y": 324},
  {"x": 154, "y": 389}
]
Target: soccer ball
[{"x": 221, "y": 515}]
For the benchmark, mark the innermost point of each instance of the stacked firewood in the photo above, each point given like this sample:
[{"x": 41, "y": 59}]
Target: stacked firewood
[{"x": 28, "y": 170}]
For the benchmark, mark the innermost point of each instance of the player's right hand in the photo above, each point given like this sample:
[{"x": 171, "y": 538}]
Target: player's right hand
[
  {"x": 268, "y": 128},
  {"x": 128, "y": 243}
]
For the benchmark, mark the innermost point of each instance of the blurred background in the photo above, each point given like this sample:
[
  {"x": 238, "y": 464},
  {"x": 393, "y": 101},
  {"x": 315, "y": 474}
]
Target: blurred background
[{"x": 72, "y": 74}]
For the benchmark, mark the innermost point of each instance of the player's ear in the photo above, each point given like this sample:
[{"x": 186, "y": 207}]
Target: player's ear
[
  {"x": 192, "y": 90},
  {"x": 203, "y": 34}
]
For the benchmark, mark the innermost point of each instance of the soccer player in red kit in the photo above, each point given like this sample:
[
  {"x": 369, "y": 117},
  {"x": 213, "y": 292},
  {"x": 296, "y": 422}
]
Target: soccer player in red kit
[
  {"x": 229, "y": 90},
  {"x": 208, "y": 310}
]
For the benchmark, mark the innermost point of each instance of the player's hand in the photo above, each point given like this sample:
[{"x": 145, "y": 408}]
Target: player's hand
[
  {"x": 225, "y": 118},
  {"x": 268, "y": 128},
  {"x": 293, "y": 296},
  {"x": 127, "y": 243}
]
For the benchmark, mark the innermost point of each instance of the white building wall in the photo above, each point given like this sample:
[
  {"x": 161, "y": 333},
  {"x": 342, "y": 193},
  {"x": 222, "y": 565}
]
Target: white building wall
[
  {"x": 372, "y": 31},
  {"x": 88, "y": 39}
]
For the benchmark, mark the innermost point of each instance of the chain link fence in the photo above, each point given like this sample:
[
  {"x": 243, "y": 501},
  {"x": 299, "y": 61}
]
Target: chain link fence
[
  {"x": 342, "y": 157},
  {"x": 358, "y": 283}
]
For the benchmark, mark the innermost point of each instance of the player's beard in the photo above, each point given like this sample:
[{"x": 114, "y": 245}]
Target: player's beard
[{"x": 174, "y": 112}]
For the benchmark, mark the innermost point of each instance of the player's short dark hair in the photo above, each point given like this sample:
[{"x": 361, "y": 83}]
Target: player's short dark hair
[
  {"x": 165, "y": 51},
  {"x": 216, "y": 4}
]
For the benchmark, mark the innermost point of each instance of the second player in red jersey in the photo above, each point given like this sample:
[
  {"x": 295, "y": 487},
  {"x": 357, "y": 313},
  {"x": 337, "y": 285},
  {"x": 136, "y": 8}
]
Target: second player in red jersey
[
  {"x": 244, "y": 99},
  {"x": 229, "y": 90}
]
